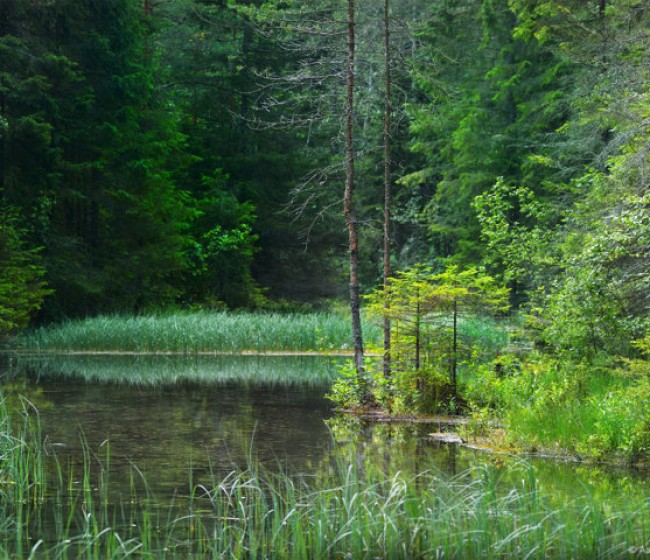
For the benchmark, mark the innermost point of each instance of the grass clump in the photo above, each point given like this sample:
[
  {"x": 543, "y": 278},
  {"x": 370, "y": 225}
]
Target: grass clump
[
  {"x": 200, "y": 331},
  {"x": 426, "y": 516},
  {"x": 22, "y": 478},
  {"x": 256, "y": 514}
]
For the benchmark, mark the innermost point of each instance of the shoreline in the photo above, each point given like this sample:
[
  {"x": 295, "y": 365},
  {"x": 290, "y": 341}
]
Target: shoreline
[{"x": 489, "y": 444}]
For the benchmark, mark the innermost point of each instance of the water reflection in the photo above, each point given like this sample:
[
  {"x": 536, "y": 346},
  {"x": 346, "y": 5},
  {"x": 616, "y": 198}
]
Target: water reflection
[
  {"x": 198, "y": 418},
  {"x": 161, "y": 369},
  {"x": 166, "y": 431}
]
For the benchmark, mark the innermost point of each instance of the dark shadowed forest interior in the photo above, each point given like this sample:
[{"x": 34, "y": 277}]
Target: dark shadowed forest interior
[{"x": 192, "y": 153}]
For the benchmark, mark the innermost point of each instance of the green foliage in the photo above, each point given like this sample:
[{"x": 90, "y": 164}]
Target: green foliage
[
  {"x": 519, "y": 239},
  {"x": 348, "y": 390},
  {"x": 586, "y": 315},
  {"x": 432, "y": 325},
  {"x": 252, "y": 144},
  {"x": 493, "y": 99},
  {"x": 153, "y": 156},
  {"x": 22, "y": 284},
  {"x": 580, "y": 409},
  {"x": 631, "y": 432},
  {"x": 350, "y": 512},
  {"x": 86, "y": 149},
  {"x": 577, "y": 241},
  {"x": 222, "y": 249}
]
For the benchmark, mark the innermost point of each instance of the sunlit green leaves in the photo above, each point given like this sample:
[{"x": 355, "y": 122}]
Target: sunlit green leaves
[{"x": 22, "y": 284}]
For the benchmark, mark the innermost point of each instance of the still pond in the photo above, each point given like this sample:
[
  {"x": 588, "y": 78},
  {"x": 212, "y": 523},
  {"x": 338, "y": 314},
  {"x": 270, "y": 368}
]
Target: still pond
[{"x": 181, "y": 421}]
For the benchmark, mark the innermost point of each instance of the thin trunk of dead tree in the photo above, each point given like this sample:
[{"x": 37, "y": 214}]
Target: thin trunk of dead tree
[
  {"x": 348, "y": 200},
  {"x": 454, "y": 356},
  {"x": 387, "y": 188}
]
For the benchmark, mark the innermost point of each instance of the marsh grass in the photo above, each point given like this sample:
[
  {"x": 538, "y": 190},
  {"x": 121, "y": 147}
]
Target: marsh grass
[
  {"x": 22, "y": 478},
  {"x": 346, "y": 513},
  {"x": 257, "y": 514},
  {"x": 202, "y": 331},
  {"x": 579, "y": 410},
  {"x": 485, "y": 332}
]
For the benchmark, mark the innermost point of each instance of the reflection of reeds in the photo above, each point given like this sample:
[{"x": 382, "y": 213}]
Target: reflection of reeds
[
  {"x": 347, "y": 513},
  {"x": 201, "y": 331},
  {"x": 159, "y": 370}
]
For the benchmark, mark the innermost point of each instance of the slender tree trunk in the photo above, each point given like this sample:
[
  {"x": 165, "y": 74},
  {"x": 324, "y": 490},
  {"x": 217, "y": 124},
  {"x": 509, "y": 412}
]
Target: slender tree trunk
[
  {"x": 387, "y": 188},
  {"x": 417, "y": 330},
  {"x": 454, "y": 356},
  {"x": 602, "y": 6},
  {"x": 348, "y": 200}
]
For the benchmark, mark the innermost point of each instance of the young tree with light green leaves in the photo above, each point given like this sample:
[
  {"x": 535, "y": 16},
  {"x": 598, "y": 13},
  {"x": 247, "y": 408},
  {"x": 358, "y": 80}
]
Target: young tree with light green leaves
[{"x": 428, "y": 313}]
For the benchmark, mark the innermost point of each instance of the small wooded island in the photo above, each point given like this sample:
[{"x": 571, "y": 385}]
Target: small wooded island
[{"x": 271, "y": 208}]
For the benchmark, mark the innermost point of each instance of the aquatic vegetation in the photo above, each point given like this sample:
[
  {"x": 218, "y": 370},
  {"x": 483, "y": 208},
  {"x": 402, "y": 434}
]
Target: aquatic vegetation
[
  {"x": 257, "y": 514},
  {"x": 59, "y": 509},
  {"x": 474, "y": 515},
  {"x": 22, "y": 478},
  {"x": 200, "y": 331},
  {"x": 419, "y": 380},
  {"x": 585, "y": 410}
]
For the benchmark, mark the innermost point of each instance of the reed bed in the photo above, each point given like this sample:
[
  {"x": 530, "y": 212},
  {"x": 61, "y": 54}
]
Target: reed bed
[
  {"x": 488, "y": 334},
  {"x": 483, "y": 513},
  {"x": 255, "y": 514},
  {"x": 49, "y": 510},
  {"x": 202, "y": 331},
  {"x": 427, "y": 516}
]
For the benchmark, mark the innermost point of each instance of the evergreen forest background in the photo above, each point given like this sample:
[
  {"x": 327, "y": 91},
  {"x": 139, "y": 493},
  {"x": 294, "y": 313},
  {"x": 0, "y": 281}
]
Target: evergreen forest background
[{"x": 158, "y": 153}]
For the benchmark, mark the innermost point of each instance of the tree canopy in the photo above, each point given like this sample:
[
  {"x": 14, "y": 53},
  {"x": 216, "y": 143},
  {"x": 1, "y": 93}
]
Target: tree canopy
[{"x": 192, "y": 153}]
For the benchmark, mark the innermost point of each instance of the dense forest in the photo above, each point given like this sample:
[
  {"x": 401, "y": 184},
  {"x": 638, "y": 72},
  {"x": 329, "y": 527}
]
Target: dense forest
[
  {"x": 193, "y": 153},
  {"x": 254, "y": 253}
]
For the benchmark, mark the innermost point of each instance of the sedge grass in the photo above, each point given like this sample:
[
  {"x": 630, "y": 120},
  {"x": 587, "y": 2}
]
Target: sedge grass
[
  {"x": 257, "y": 514},
  {"x": 347, "y": 513},
  {"x": 202, "y": 331}
]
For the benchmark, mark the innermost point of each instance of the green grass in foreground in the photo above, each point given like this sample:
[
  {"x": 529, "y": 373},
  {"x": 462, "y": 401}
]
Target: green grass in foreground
[
  {"x": 202, "y": 331},
  {"x": 483, "y": 513}
]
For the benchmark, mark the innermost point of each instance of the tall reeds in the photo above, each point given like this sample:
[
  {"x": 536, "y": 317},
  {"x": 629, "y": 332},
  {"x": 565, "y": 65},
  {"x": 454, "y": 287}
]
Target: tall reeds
[
  {"x": 347, "y": 513},
  {"x": 202, "y": 331},
  {"x": 474, "y": 515}
]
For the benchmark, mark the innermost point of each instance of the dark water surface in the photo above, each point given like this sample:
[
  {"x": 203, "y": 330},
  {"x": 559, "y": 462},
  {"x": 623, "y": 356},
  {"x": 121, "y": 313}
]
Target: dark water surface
[{"x": 193, "y": 420}]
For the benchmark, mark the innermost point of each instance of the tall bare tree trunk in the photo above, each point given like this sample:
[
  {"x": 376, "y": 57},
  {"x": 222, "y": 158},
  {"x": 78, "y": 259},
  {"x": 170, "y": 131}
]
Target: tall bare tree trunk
[
  {"x": 348, "y": 200},
  {"x": 147, "y": 10},
  {"x": 387, "y": 187},
  {"x": 454, "y": 356}
]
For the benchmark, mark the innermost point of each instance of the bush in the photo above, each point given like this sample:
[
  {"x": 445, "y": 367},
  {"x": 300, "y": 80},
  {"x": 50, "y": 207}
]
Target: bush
[{"x": 588, "y": 408}]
